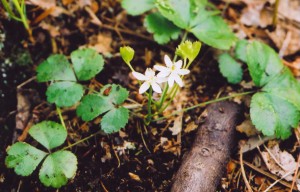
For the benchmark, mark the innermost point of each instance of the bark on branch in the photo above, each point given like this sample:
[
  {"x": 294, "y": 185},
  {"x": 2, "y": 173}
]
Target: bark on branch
[{"x": 203, "y": 167}]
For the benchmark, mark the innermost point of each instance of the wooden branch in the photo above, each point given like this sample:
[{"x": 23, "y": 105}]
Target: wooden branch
[{"x": 204, "y": 165}]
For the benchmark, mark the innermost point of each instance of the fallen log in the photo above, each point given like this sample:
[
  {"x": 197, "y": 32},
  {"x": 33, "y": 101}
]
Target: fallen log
[{"x": 203, "y": 166}]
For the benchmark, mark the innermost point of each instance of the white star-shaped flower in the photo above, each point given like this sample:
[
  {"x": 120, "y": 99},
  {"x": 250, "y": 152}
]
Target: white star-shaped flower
[
  {"x": 149, "y": 80},
  {"x": 172, "y": 71}
]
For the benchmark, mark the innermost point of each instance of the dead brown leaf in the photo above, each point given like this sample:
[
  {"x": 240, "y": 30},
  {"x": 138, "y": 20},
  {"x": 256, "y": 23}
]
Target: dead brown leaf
[
  {"x": 247, "y": 127},
  {"x": 101, "y": 43},
  {"x": 280, "y": 163},
  {"x": 53, "y": 30}
]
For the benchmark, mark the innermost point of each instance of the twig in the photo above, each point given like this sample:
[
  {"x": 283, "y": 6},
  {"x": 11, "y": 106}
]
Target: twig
[
  {"x": 244, "y": 174},
  {"x": 277, "y": 181},
  {"x": 267, "y": 174},
  {"x": 296, "y": 173}
]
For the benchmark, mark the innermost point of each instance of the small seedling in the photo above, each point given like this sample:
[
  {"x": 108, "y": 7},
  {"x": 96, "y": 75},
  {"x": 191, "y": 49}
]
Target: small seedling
[{"x": 57, "y": 167}]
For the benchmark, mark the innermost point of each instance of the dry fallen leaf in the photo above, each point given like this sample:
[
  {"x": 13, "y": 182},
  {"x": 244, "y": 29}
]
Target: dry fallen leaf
[
  {"x": 44, "y": 4},
  {"x": 53, "y": 30},
  {"x": 134, "y": 177},
  {"x": 101, "y": 43},
  {"x": 253, "y": 142},
  {"x": 247, "y": 127},
  {"x": 280, "y": 163},
  {"x": 190, "y": 127}
]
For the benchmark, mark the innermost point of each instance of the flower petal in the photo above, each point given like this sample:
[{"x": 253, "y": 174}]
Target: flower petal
[
  {"x": 160, "y": 68},
  {"x": 178, "y": 64},
  {"x": 168, "y": 61},
  {"x": 178, "y": 80},
  {"x": 139, "y": 76},
  {"x": 161, "y": 79},
  {"x": 149, "y": 73},
  {"x": 156, "y": 87},
  {"x": 171, "y": 80},
  {"x": 163, "y": 73},
  {"x": 144, "y": 87},
  {"x": 182, "y": 71}
]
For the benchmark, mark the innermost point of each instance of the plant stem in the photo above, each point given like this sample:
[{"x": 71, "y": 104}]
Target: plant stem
[
  {"x": 82, "y": 140},
  {"x": 149, "y": 106},
  {"x": 60, "y": 117},
  {"x": 205, "y": 103},
  {"x": 172, "y": 94}
]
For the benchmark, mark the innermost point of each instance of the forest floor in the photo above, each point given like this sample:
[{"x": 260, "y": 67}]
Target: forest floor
[{"x": 137, "y": 158}]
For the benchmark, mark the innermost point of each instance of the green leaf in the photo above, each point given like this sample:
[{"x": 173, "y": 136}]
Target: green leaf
[
  {"x": 116, "y": 93},
  {"x": 48, "y": 133},
  {"x": 56, "y": 67},
  {"x": 24, "y": 158},
  {"x": 57, "y": 168},
  {"x": 87, "y": 63},
  {"x": 114, "y": 120},
  {"x": 284, "y": 85},
  {"x": 192, "y": 16},
  {"x": 241, "y": 50},
  {"x": 263, "y": 115},
  {"x": 230, "y": 69},
  {"x": 163, "y": 29},
  {"x": 188, "y": 50},
  {"x": 64, "y": 94},
  {"x": 263, "y": 62},
  {"x": 127, "y": 53},
  {"x": 177, "y": 11},
  {"x": 214, "y": 32},
  {"x": 92, "y": 106},
  {"x": 273, "y": 115},
  {"x": 136, "y": 8}
]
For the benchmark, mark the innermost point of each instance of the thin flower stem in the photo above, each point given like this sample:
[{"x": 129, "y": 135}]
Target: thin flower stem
[
  {"x": 131, "y": 68},
  {"x": 149, "y": 106},
  {"x": 171, "y": 99},
  {"x": 203, "y": 104},
  {"x": 60, "y": 117},
  {"x": 162, "y": 99},
  {"x": 82, "y": 140}
]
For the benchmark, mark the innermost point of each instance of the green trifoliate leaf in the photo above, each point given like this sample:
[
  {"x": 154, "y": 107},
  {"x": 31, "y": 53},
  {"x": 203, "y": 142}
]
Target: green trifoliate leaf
[
  {"x": 273, "y": 115},
  {"x": 87, "y": 63},
  {"x": 263, "y": 62},
  {"x": 285, "y": 86},
  {"x": 108, "y": 100},
  {"x": 188, "y": 50},
  {"x": 215, "y": 32},
  {"x": 127, "y": 53},
  {"x": 177, "y": 11},
  {"x": 92, "y": 106},
  {"x": 48, "y": 133},
  {"x": 241, "y": 50},
  {"x": 116, "y": 94},
  {"x": 58, "y": 168},
  {"x": 191, "y": 15},
  {"x": 56, "y": 67},
  {"x": 64, "y": 94},
  {"x": 24, "y": 158},
  {"x": 163, "y": 30},
  {"x": 114, "y": 120},
  {"x": 134, "y": 7},
  {"x": 230, "y": 68}
]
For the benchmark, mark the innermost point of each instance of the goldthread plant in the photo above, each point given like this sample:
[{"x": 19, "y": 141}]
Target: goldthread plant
[{"x": 274, "y": 109}]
